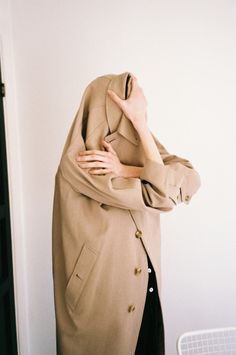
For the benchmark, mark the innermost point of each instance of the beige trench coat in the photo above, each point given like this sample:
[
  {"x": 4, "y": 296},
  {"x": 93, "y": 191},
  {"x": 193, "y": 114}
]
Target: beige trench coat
[{"x": 104, "y": 225}]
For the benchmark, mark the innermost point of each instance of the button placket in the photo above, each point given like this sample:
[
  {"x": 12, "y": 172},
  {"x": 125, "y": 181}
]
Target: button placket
[
  {"x": 137, "y": 270},
  {"x": 150, "y": 277}
]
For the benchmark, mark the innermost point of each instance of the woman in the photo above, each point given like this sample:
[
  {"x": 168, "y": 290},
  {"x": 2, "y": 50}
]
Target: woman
[{"x": 114, "y": 180}]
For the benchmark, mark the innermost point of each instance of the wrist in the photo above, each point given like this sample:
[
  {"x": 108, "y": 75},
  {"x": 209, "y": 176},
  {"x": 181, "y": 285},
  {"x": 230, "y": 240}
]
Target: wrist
[
  {"x": 141, "y": 128},
  {"x": 131, "y": 171},
  {"x": 140, "y": 123}
]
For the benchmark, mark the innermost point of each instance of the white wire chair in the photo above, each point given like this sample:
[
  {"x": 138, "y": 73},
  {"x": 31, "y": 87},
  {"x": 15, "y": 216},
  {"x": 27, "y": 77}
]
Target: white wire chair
[{"x": 216, "y": 341}]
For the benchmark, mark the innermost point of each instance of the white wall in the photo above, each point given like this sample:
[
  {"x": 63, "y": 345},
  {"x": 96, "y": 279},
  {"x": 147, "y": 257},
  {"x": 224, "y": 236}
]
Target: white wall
[
  {"x": 16, "y": 197},
  {"x": 183, "y": 53}
]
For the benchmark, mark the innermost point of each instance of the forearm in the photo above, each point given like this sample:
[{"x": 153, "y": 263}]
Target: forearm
[
  {"x": 150, "y": 151},
  {"x": 149, "y": 146}
]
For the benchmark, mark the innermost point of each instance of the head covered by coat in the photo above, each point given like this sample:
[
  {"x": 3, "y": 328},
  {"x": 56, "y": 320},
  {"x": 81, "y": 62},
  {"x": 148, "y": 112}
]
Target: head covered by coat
[
  {"x": 105, "y": 121},
  {"x": 100, "y": 117}
]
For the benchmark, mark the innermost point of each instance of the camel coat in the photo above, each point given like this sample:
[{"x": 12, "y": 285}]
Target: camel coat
[{"x": 104, "y": 225}]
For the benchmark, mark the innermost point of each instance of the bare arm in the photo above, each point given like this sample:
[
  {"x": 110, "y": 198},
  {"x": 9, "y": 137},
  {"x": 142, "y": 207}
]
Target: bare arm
[
  {"x": 135, "y": 110},
  {"x": 150, "y": 151},
  {"x": 149, "y": 146}
]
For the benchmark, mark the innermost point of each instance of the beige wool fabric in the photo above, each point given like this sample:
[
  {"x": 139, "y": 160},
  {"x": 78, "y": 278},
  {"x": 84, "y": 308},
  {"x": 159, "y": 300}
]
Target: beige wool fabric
[{"x": 103, "y": 226}]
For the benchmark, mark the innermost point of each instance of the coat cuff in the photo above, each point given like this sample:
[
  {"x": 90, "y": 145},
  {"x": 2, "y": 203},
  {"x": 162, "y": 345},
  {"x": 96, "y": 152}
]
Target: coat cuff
[
  {"x": 191, "y": 184},
  {"x": 166, "y": 179}
]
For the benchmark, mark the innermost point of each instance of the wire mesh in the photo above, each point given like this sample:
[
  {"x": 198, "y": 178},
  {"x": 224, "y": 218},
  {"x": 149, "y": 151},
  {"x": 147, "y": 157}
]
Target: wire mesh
[{"x": 219, "y": 341}]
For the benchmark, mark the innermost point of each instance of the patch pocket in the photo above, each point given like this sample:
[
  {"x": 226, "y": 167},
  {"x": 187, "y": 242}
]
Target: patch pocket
[{"x": 80, "y": 274}]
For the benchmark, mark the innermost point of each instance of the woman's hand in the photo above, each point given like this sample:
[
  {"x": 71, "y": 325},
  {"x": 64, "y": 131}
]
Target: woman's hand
[
  {"x": 101, "y": 162},
  {"x": 135, "y": 106}
]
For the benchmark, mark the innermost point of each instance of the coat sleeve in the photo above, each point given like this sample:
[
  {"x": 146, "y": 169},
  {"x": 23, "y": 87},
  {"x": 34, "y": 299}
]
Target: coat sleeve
[
  {"x": 180, "y": 179},
  {"x": 159, "y": 187}
]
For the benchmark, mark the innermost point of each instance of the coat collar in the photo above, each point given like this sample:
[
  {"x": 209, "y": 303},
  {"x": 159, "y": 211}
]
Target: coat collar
[{"x": 117, "y": 121}]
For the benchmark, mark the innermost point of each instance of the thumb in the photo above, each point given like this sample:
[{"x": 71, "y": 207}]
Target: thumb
[{"x": 116, "y": 98}]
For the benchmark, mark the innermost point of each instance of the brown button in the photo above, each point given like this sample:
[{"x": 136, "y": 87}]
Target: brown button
[
  {"x": 138, "y": 233},
  {"x": 137, "y": 270},
  {"x": 187, "y": 197},
  {"x": 131, "y": 308}
]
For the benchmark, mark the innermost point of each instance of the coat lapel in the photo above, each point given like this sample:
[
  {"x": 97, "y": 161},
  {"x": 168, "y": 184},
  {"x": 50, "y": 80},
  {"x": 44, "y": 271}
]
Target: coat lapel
[{"x": 117, "y": 121}]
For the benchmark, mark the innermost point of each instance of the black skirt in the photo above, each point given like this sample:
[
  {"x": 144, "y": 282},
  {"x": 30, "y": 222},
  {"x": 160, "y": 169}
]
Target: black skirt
[{"x": 151, "y": 339}]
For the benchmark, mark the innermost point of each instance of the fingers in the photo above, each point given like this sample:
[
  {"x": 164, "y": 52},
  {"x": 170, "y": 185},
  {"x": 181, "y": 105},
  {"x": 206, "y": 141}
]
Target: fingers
[
  {"x": 94, "y": 164},
  {"x": 115, "y": 98},
  {"x": 91, "y": 152},
  {"x": 99, "y": 162},
  {"x": 96, "y": 152},
  {"x": 100, "y": 171},
  {"x": 120, "y": 102},
  {"x": 89, "y": 157},
  {"x": 134, "y": 78},
  {"x": 93, "y": 158}
]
